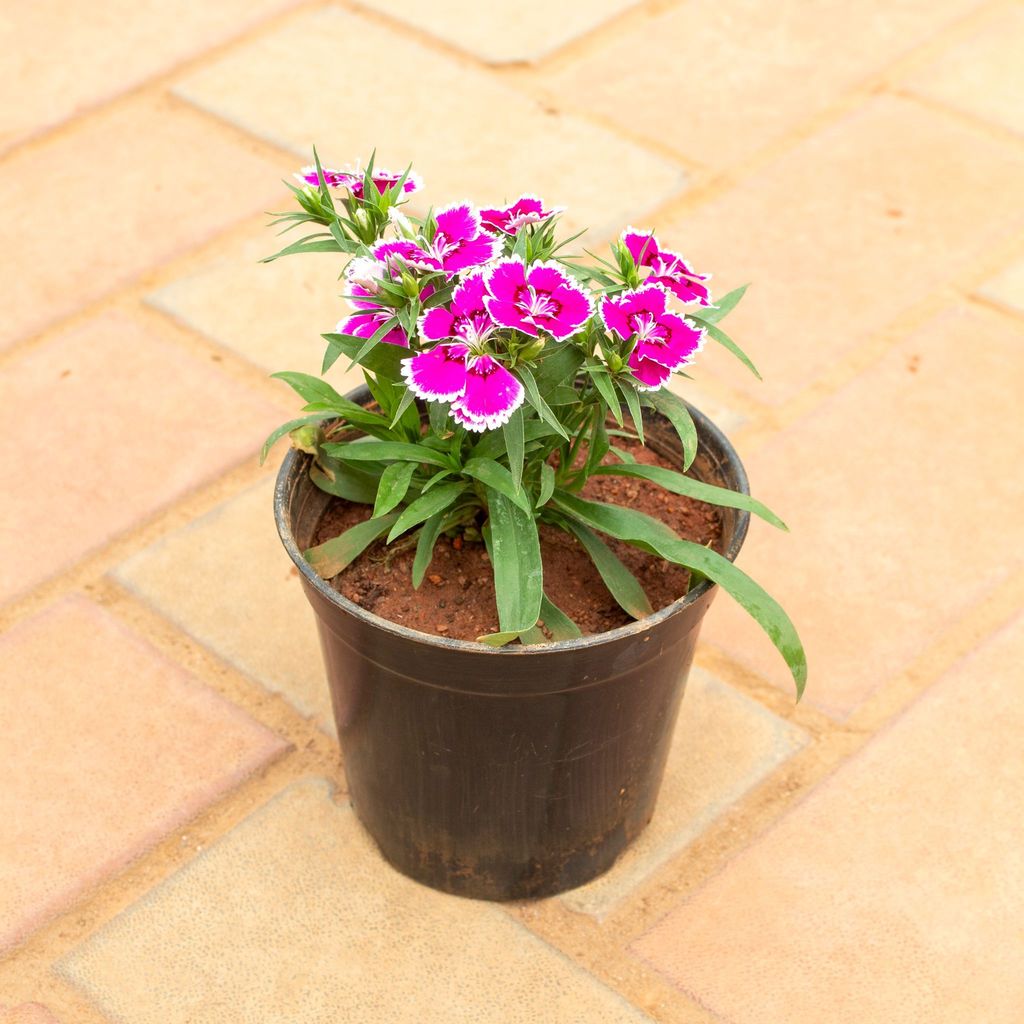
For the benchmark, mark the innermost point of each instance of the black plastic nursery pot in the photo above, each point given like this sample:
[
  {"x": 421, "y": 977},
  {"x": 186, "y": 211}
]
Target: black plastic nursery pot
[{"x": 505, "y": 773}]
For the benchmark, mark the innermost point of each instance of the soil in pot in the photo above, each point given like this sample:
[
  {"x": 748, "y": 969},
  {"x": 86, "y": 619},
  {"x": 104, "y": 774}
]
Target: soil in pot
[{"x": 456, "y": 599}]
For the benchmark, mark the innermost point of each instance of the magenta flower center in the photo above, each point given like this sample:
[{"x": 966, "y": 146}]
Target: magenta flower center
[
  {"x": 646, "y": 327},
  {"x": 537, "y": 303}
]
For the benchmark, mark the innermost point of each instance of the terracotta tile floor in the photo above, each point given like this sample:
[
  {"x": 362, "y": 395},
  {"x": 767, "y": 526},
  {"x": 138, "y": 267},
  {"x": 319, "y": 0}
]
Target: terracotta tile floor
[{"x": 172, "y": 800}]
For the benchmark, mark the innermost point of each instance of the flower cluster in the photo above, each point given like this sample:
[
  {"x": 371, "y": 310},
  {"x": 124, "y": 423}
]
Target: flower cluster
[
  {"x": 494, "y": 298},
  {"x": 499, "y": 365}
]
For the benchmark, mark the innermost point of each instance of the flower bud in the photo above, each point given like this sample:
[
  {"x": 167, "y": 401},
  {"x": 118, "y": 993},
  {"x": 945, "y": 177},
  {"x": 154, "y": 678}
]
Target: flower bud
[
  {"x": 614, "y": 363},
  {"x": 532, "y": 351},
  {"x": 362, "y": 219},
  {"x": 410, "y": 285}
]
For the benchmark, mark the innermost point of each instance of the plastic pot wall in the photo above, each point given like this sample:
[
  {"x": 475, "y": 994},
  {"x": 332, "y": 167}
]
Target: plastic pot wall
[{"x": 511, "y": 773}]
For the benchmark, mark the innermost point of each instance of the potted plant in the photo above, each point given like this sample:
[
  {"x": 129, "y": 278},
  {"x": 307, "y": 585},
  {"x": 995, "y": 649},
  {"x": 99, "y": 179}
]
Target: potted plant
[{"x": 493, "y": 481}]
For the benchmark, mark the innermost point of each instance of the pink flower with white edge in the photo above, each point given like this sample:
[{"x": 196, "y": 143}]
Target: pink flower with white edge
[
  {"x": 482, "y": 392},
  {"x": 542, "y": 297},
  {"x": 667, "y": 268},
  {"x": 366, "y": 274},
  {"x": 460, "y": 242},
  {"x": 365, "y": 323},
  {"x": 664, "y": 341},
  {"x": 464, "y": 319},
  {"x": 353, "y": 180},
  {"x": 527, "y": 209},
  {"x": 400, "y": 253}
]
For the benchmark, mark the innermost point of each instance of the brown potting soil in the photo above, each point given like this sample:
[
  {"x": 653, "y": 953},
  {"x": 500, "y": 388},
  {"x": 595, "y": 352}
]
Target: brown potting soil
[{"x": 456, "y": 598}]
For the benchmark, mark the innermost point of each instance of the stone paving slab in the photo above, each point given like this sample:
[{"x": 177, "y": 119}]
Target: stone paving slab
[
  {"x": 895, "y": 892},
  {"x": 982, "y": 74},
  {"x": 105, "y": 48},
  {"x": 891, "y": 490},
  {"x": 724, "y": 745},
  {"x": 717, "y": 80},
  {"x": 1007, "y": 288},
  {"x": 293, "y": 916},
  {"x": 225, "y": 578},
  {"x": 159, "y": 170},
  {"x": 107, "y": 748},
  {"x": 845, "y": 231},
  {"x": 469, "y": 135},
  {"x": 27, "y": 1013},
  {"x": 502, "y": 34},
  {"x": 135, "y": 421}
]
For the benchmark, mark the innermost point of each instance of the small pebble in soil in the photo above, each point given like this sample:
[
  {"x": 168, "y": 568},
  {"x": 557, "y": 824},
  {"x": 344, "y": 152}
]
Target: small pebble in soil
[{"x": 435, "y": 579}]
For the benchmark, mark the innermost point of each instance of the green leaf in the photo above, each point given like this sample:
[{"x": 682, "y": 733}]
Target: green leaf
[
  {"x": 498, "y": 478},
  {"x": 285, "y": 428},
  {"x": 385, "y": 451},
  {"x": 677, "y": 483},
  {"x": 493, "y": 444},
  {"x": 438, "y": 414},
  {"x": 374, "y": 340},
  {"x": 383, "y": 360},
  {"x": 723, "y": 339},
  {"x": 676, "y": 411},
  {"x": 329, "y": 558},
  {"x": 515, "y": 555},
  {"x": 562, "y": 363},
  {"x": 322, "y": 397},
  {"x": 621, "y": 583},
  {"x": 515, "y": 446},
  {"x": 311, "y": 243},
  {"x": 394, "y": 483},
  {"x": 407, "y": 402},
  {"x": 597, "y": 447},
  {"x": 724, "y": 306},
  {"x": 654, "y": 536},
  {"x": 429, "y": 533},
  {"x": 558, "y": 623},
  {"x": 537, "y": 401},
  {"x": 500, "y": 639},
  {"x": 547, "y": 484},
  {"x": 347, "y": 482},
  {"x": 635, "y": 413},
  {"x": 627, "y": 457},
  {"x": 603, "y": 383},
  {"x": 435, "y": 500}
]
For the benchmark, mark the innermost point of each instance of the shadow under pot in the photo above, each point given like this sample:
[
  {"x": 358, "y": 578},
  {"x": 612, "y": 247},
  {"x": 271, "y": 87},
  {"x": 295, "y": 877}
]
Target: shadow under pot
[{"x": 506, "y": 773}]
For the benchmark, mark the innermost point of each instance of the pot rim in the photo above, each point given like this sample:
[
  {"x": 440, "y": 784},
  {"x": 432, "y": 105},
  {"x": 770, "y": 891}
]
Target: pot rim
[{"x": 294, "y": 463}]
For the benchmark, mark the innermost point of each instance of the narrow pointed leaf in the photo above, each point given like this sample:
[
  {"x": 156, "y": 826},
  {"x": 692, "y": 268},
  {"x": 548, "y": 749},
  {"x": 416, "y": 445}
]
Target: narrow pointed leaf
[
  {"x": 498, "y": 478},
  {"x": 394, "y": 484},
  {"x": 677, "y": 483},
  {"x": 286, "y": 428},
  {"x": 515, "y": 446},
  {"x": 635, "y": 412},
  {"x": 329, "y": 558},
  {"x": 621, "y": 583},
  {"x": 675, "y": 410},
  {"x": 515, "y": 555},
  {"x": 654, "y": 536},
  {"x": 558, "y": 623},
  {"x": 385, "y": 451},
  {"x": 436, "y": 500},
  {"x": 723, "y": 306},
  {"x": 537, "y": 401},
  {"x": 723, "y": 339},
  {"x": 429, "y": 533}
]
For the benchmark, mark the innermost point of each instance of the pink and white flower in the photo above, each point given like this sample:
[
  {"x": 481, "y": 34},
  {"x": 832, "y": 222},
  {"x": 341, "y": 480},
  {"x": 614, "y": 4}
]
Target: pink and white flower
[
  {"x": 667, "y": 268},
  {"x": 664, "y": 341},
  {"x": 399, "y": 253},
  {"x": 527, "y": 209},
  {"x": 353, "y": 180},
  {"x": 460, "y": 242},
  {"x": 464, "y": 319},
  {"x": 482, "y": 392},
  {"x": 542, "y": 297},
  {"x": 366, "y": 321}
]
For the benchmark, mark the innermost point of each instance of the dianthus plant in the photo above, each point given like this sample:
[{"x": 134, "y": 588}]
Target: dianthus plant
[{"x": 503, "y": 371}]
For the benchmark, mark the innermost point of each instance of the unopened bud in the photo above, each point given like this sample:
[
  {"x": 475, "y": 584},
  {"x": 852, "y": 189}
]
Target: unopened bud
[
  {"x": 362, "y": 218},
  {"x": 305, "y": 439},
  {"x": 532, "y": 351},
  {"x": 615, "y": 363},
  {"x": 410, "y": 285}
]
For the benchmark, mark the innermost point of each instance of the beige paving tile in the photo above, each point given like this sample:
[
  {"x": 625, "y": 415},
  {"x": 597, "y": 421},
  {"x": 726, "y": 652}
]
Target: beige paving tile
[
  {"x": 719, "y": 79},
  {"x": 1007, "y": 288},
  {"x": 903, "y": 504},
  {"x": 105, "y": 423},
  {"x": 27, "y": 1013},
  {"x": 226, "y": 579},
  {"x": 894, "y": 893},
  {"x": 107, "y": 747},
  {"x": 294, "y": 917},
  {"x": 724, "y": 745},
  {"x": 982, "y": 74},
  {"x": 62, "y": 58},
  {"x": 527, "y": 31},
  {"x": 116, "y": 193},
  {"x": 271, "y": 314},
  {"x": 844, "y": 232},
  {"x": 481, "y": 140}
]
